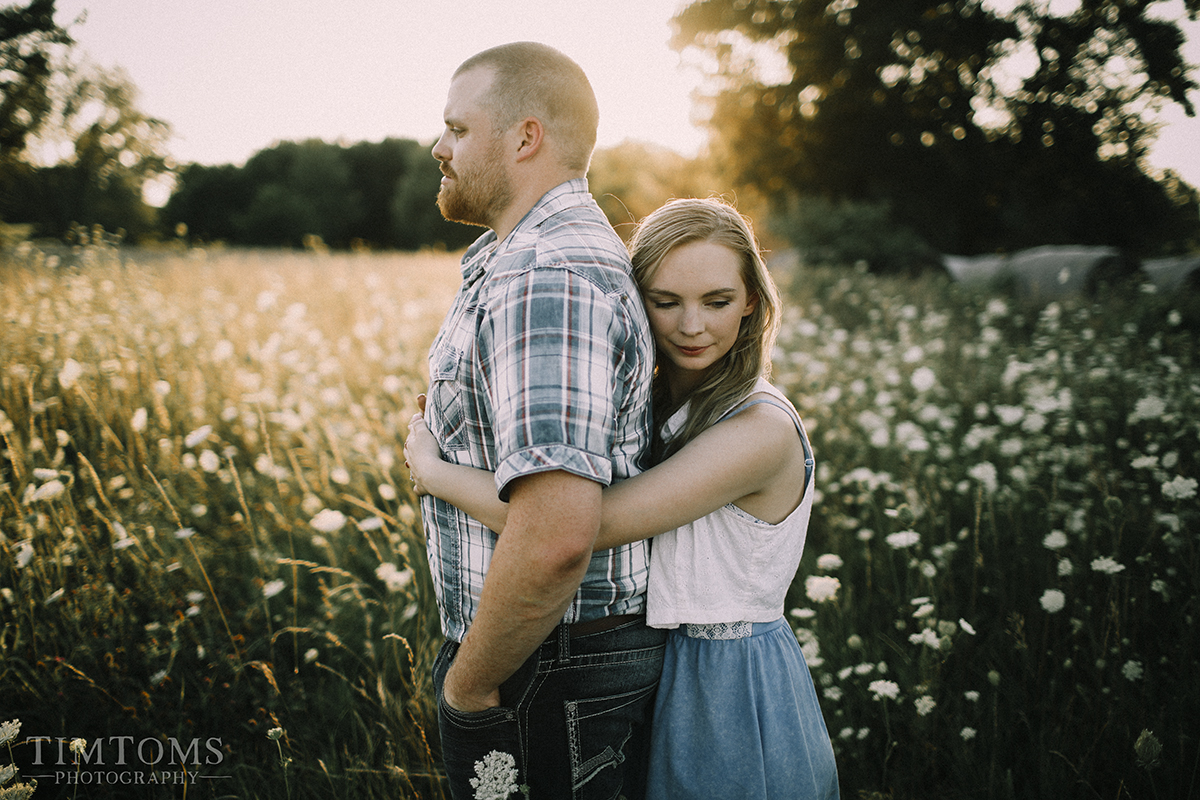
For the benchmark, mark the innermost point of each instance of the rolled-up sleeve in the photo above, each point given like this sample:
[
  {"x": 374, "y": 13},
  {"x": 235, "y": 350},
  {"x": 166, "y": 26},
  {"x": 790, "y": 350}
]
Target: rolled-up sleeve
[{"x": 549, "y": 355}]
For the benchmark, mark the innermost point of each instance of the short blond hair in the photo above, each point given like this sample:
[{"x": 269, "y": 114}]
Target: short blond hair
[{"x": 535, "y": 80}]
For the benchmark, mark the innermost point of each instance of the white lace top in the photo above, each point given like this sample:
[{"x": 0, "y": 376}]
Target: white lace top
[{"x": 729, "y": 567}]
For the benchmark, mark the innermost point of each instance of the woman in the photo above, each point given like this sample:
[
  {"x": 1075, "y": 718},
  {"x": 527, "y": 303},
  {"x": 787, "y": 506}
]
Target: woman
[{"x": 729, "y": 502}]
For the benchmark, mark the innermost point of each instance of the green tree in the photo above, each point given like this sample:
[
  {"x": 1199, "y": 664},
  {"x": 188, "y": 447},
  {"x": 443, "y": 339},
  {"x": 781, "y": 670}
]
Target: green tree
[
  {"x": 416, "y": 219},
  {"x": 978, "y": 130},
  {"x": 207, "y": 202},
  {"x": 27, "y": 37},
  {"x": 90, "y": 156}
]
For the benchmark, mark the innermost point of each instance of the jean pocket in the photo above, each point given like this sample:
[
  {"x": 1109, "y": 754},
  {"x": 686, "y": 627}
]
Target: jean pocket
[
  {"x": 594, "y": 725},
  {"x": 476, "y": 745}
]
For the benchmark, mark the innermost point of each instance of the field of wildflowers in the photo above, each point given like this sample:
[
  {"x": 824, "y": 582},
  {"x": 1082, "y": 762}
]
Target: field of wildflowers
[{"x": 212, "y": 577}]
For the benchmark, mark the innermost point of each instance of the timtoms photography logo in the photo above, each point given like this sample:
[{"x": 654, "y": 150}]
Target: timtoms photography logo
[{"x": 124, "y": 760}]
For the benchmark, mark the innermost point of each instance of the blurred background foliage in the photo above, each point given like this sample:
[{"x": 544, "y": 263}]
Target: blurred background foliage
[{"x": 963, "y": 127}]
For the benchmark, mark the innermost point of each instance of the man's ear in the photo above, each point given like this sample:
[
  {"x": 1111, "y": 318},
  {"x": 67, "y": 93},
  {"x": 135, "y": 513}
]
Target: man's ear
[{"x": 530, "y": 135}]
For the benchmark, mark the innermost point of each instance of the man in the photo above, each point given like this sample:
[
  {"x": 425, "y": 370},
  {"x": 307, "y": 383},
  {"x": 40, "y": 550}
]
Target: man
[{"x": 540, "y": 373}]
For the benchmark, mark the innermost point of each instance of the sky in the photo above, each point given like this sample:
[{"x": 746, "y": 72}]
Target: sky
[{"x": 233, "y": 77}]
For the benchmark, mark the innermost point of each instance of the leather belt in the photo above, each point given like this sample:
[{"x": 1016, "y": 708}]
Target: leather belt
[{"x": 600, "y": 625}]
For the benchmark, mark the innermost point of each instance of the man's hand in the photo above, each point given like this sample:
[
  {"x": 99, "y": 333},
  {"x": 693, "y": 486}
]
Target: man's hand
[{"x": 465, "y": 701}]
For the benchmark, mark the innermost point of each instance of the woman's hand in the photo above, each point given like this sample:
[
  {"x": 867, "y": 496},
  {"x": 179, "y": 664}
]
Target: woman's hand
[{"x": 421, "y": 454}]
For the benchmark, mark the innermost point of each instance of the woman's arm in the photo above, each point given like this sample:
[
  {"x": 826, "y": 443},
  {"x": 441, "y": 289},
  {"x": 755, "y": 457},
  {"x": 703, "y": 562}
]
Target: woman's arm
[
  {"x": 472, "y": 490},
  {"x": 727, "y": 463}
]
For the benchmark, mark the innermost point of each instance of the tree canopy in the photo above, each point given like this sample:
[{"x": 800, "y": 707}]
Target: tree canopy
[
  {"x": 26, "y": 36},
  {"x": 978, "y": 129},
  {"x": 377, "y": 194}
]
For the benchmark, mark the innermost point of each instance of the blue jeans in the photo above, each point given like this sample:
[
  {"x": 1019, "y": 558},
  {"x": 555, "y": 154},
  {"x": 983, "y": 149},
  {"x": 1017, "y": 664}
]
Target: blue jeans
[{"x": 575, "y": 716}]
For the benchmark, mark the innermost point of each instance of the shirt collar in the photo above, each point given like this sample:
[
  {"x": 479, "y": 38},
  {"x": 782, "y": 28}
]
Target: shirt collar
[{"x": 568, "y": 194}]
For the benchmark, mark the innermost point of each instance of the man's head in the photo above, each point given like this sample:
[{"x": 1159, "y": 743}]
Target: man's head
[
  {"x": 520, "y": 118},
  {"x": 535, "y": 80}
]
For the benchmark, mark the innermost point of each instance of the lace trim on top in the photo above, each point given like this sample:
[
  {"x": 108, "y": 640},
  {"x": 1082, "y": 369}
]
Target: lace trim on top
[{"x": 717, "y": 630}]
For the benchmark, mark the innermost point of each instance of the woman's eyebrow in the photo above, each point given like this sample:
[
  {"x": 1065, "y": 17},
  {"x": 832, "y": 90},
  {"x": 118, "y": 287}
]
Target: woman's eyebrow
[{"x": 713, "y": 293}]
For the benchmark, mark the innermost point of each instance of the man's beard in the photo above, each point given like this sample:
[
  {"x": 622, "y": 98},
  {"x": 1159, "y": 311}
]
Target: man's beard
[{"x": 478, "y": 195}]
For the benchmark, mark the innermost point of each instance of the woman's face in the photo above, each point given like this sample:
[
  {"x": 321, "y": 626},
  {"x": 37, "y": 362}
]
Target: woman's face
[{"x": 696, "y": 301}]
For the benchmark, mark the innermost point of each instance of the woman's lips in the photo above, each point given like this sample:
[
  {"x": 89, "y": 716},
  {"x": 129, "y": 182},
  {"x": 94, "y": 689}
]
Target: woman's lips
[{"x": 692, "y": 351}]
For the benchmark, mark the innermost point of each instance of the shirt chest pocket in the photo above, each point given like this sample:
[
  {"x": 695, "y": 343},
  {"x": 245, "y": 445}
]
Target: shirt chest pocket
[{"x": 445, "y": 406}]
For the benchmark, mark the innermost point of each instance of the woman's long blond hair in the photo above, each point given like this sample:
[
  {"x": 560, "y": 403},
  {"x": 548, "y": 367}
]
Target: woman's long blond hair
[{"x": 681, "y": 222}]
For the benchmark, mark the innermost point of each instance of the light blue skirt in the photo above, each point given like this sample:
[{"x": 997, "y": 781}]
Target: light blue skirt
[{"x": 739, "y": 718}]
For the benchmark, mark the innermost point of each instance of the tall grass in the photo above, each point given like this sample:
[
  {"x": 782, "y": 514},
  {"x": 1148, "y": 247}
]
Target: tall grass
[
  {"x": 205, "y": 529},
  {"x": 206, "y": 536}
]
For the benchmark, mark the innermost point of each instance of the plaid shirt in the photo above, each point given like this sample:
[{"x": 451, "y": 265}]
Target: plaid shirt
[{"x": 543, "y": 363}]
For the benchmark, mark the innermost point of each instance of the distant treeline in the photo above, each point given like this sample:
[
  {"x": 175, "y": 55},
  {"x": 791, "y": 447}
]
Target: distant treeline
[{"x": 379, "y": 195}]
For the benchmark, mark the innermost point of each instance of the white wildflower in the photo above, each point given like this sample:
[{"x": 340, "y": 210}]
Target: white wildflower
[
  {"x": 924, "y": 705},
  {"x": 967, "y": 734},
  {"x": 923, "y": 379},
  {"x": 1132, "y": 670},
  {"x": 829, "y": 561},
  {"x": 209, "y": 461},
  {"x": 1180, "y": 488},
  {"x": 1053, "y": 600},
  {"x": 882, "y": 688},
  {"x": 1148, "y": 408},
  {"x": 223, "y": 350},
  {"x": 902, "y": 539},
  {"x": 923, "y": 611},
  {"x": 928, "y": 638},
  {"x": 327, "y": 520},
  {"x": 1107, "y": 565},
  {"x": 9, "y": 730},
  {"x": 185, "y": 533},
  {"x": 339, "y": 475},
  {"x": 394, "y": 579},
  {"x": 821, "y": 588},
  {"x": 49, "y": 491},
  {"x": 272, "y": 588},
  {"x": 496, "y": 776},
  {"x": 985, "y": 473},
  {"x": 70, "y": 373},
  {"x": 966, "y": 626},
  {"x": 43, "y": 474},
  {"x": 197, "y": 436},
  {"x": 139, "y": 419},
  {"x": 1055, "y": 540},
  {"x": 971, "y": 696},
  {"x": 24, "y": 554}
]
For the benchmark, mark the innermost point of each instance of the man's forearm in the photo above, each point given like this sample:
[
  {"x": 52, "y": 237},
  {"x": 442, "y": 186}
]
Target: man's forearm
[{"x": 535, "y": 571}]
